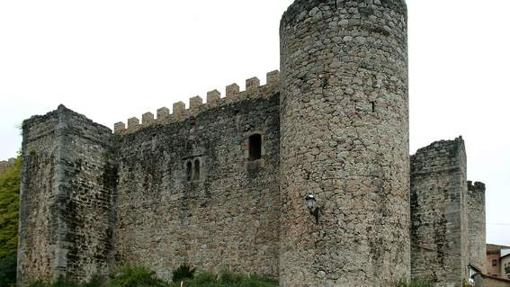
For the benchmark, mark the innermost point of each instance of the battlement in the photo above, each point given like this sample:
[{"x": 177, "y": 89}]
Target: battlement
[
  {"x": 196, "y": 104},
  {"x": 439, "y": 156},
  {"x": 476, "y": 186}
]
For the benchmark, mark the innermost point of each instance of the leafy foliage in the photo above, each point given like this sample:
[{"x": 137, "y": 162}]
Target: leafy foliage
[
  {"x": 59, "y": 283},
  {"x": 9, "y": 203},
  {"x": 143, "y": 277},
  {"x": 228, "y": 279},
  {"x": 136, "y": 277},
  {"x": 183, "y": 272},
  {"x": 8, "y": 270},
  {"x": 414, "y": 283}
]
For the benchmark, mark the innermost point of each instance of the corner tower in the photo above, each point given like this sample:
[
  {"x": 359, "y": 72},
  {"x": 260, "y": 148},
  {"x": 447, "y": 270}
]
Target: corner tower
[{"x": 344, "y": 140}]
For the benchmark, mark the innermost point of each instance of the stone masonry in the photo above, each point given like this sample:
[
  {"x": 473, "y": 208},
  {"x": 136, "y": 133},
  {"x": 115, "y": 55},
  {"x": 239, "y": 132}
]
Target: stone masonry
[
  {"x": 476, "y": 223},
  {"x": 447, "y": 214},
  {"x": 222, "y": 184},
  {"x": 345, "y": 139},
  {"x": 66, "y": 216}
]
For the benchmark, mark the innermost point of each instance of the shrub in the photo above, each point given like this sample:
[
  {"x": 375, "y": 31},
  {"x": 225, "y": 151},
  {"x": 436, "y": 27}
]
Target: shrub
[
  {"x": 59, "y": 283},
  {"x": 143, "y": 277},
  {"x": 183, "y": 272},
  {"x": 8, "y": 270},
  {"x": 96, "y": 281},
  {"x": 39, "y": 283},
  {"x": 258, "y": 281},
  {"x": 136, "y": 277},
  {"x": 203, "y": 279},
  {"x": 65, "y": 283},
  {"x": 414, "y": 283},
  {"x": 227, "y": 279},
  {"x": 230, "y": 278}
]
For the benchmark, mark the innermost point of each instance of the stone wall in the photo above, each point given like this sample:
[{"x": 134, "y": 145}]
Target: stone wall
[
  {"x": 222, "y": 184},
  {"x": 345, "y": 140},
  {"x": 37, "y": 226},
  {"x": 439, "y": 223},
  {"x": 224, "y": 214},
  {"x": 67, "y": 183},
  {"x": 88, "y": 183},
  {"x": 476, "y": 217}
]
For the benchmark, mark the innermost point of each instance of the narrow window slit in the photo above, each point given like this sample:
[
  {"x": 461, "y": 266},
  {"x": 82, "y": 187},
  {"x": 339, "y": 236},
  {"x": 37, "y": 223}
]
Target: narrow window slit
[
  {"x": 196, "y": 174},
  {"x": 188, "y": 171},
  {"x": 255, "y": 147},
  {"x": 373, "y": 107}
]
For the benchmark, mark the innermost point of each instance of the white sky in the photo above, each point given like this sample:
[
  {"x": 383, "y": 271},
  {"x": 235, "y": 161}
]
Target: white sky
[{"x": 113, "y": 59}]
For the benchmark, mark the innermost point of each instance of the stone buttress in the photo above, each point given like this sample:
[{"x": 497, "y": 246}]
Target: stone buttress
[{"x": 65, "y": 211}]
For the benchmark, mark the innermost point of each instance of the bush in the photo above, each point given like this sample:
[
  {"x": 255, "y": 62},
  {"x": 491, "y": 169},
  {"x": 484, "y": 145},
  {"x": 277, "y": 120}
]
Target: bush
[
  {"x": 58, "y": 283},
  {"x": 183, "y": 272},
  {"x": 39, "y": 284},
  {"x": 230, "y": 279},
  {"x": 258, "y": 281},
  {"x": 96, "y": 281},
  {"x": 65, "y": 283},
  {"x": 8, "y": 270},
  {"x": 204, "y": 279},
  {"x": 143, "y": 277},
  {"x": 136, "y": 277},
  {"x": 414, "y": 283}
]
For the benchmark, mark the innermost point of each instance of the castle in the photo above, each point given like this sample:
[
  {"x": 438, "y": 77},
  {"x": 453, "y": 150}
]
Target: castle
[{"x": 307, "y": 178}]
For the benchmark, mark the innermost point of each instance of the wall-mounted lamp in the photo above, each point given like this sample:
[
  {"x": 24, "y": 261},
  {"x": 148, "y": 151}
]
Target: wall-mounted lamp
[{"x": 311, "y": 204}]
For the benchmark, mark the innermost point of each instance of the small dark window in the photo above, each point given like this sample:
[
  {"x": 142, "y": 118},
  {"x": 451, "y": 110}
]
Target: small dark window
[
  {"x": 494, "y": 262},
  {"x": 189, "y": 171},
  {"x": 255, "y": 146},
  {"x": 196, "y": 174},
  {"x": 373, "y": 107}
]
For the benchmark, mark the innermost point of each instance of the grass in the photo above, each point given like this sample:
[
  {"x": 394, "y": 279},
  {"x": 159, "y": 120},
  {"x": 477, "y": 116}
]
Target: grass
[{"x": 143, "y": 277}]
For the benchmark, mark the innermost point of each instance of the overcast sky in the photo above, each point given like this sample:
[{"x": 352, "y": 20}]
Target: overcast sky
[{"x": 113, "y": 59}]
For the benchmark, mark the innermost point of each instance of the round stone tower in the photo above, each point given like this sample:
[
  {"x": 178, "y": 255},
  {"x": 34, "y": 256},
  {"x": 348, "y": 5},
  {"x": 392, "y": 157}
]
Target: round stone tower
[{"x": 344, "y": 143}]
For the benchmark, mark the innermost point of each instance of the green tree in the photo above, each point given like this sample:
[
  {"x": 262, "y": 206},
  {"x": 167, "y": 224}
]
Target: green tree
[{"x": 9, "y": 203}]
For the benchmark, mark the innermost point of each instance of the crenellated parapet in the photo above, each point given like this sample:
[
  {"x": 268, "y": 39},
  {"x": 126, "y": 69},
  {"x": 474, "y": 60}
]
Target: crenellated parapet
[
  {"x": 196, "y": 104},
  {"x": 476, "y": 186}
]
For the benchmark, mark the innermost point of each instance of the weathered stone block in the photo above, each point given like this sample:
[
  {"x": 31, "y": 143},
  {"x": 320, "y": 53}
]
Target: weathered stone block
[
  {"x": 252, "y": 84},
  {"x": 213, "y": 98}
]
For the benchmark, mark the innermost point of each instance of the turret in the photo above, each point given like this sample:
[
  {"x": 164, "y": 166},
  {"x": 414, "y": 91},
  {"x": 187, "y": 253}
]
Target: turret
[{"x": 344, "y": 143}]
